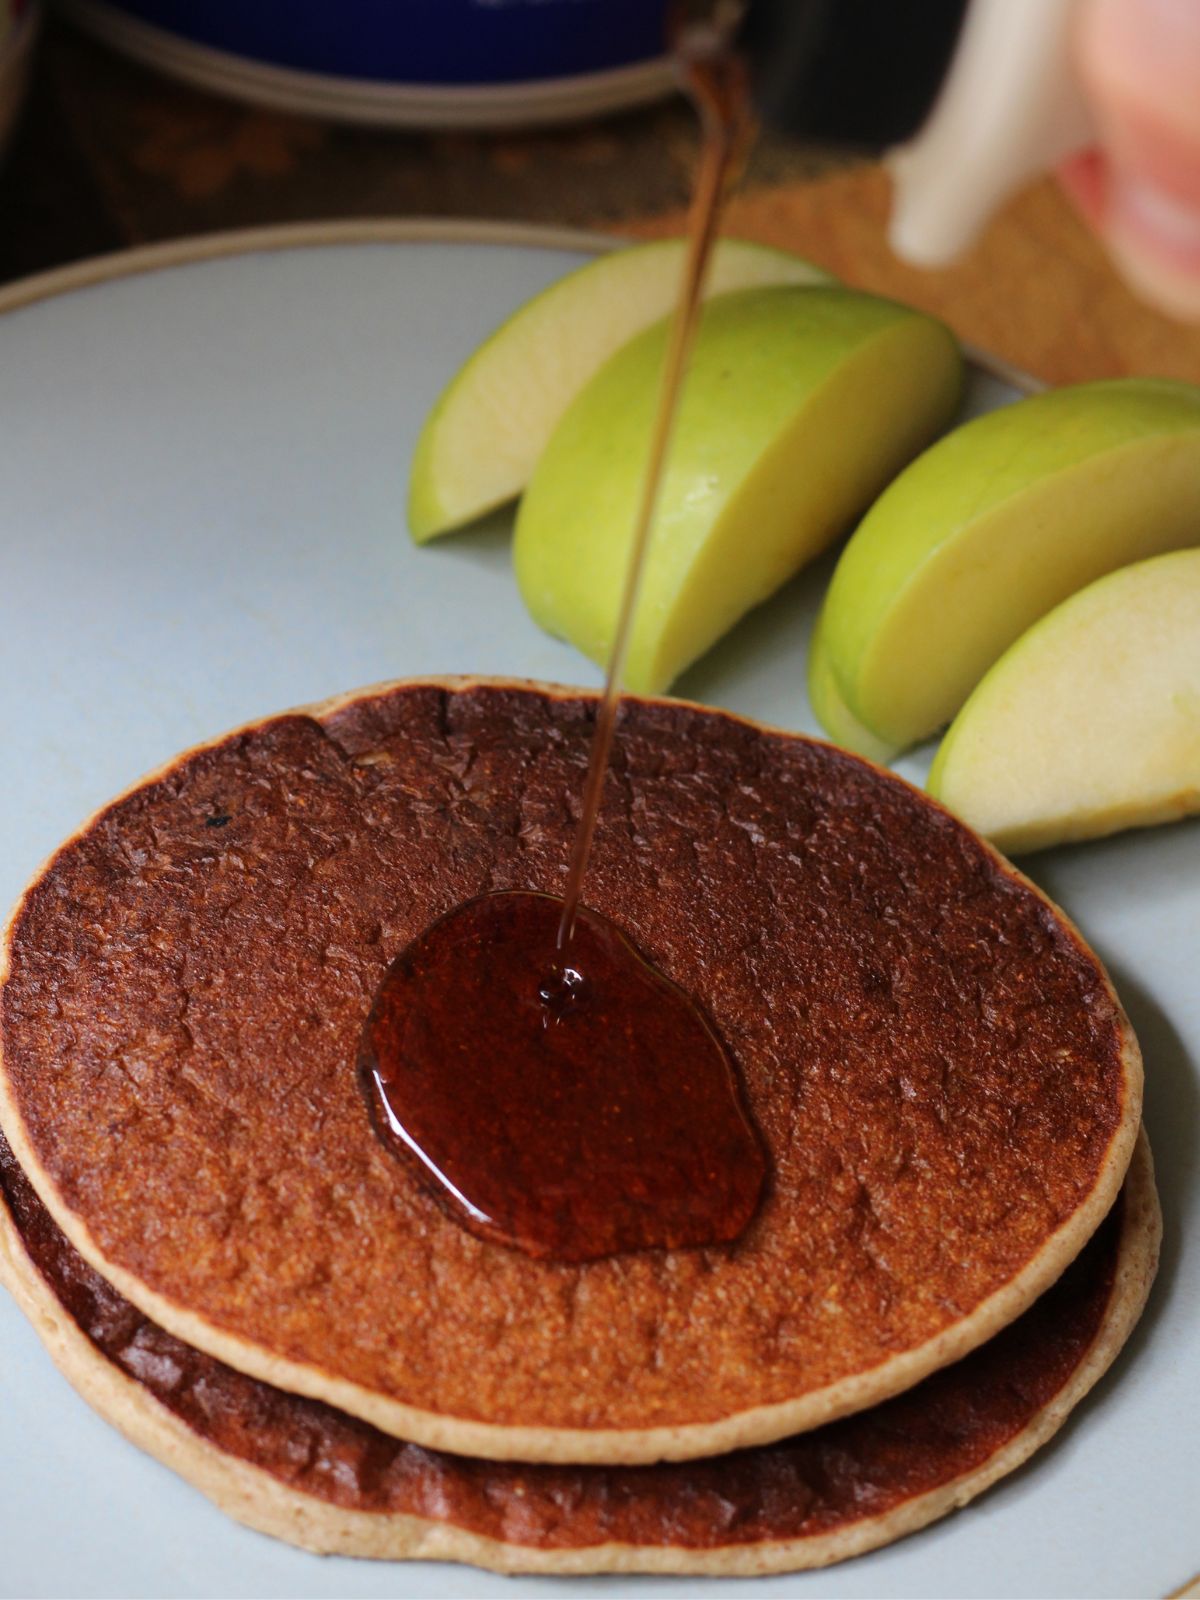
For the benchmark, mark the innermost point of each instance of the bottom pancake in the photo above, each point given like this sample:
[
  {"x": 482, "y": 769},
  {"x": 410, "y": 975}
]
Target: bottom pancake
[{"x": 306, "y": 1473}]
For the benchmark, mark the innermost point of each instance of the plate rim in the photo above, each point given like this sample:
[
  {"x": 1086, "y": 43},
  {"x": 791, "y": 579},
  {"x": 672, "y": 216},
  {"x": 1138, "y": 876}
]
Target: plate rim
[
  {"x": 268, "y": 237},
  {"x": 190, "y": 249}
]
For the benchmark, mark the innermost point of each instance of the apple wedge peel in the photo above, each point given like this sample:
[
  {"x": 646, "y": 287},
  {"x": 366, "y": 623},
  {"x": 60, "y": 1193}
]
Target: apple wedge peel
[
  {"x": 995, "y": 525},
  {"x": 799, "y": 405},
  {"x": 832, "y": 712},
  {"x": 484, "y": 435},
  {"x": 1090, "y": 723}
]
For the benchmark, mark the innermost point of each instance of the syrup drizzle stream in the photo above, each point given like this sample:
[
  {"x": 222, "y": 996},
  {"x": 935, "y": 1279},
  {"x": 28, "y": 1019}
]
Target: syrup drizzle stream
[
  {"x": 716, "y": 78},
  {"x": 539, "y": 1077}
]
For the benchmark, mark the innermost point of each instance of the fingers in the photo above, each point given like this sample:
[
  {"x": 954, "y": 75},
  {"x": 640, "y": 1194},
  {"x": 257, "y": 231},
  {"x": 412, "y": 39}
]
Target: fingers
[{"x": 1140, "y": 64}]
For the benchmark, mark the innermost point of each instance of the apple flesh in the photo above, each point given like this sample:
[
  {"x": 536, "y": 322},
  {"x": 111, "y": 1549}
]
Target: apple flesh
[
  {"x": 481, "y": 440},
  {"x": 799, "y": 405},
  {"x": 1090, "y": 723},
  {"x": 994, "y": 526}
]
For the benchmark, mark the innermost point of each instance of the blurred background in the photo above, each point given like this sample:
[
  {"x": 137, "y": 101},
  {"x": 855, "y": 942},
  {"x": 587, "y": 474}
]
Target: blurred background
[{"x": 158, "y": 119}]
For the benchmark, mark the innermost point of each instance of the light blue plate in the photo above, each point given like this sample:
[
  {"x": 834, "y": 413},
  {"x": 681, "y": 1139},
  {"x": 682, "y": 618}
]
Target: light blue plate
[{"x": 202, "y": 473}]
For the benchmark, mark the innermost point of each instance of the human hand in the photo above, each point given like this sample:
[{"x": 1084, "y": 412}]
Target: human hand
[{"x": 1139, "y": 62}]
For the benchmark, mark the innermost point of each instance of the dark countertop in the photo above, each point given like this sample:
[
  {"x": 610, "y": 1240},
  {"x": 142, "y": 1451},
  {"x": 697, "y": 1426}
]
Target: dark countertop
[{"x": 109, "y": 154}]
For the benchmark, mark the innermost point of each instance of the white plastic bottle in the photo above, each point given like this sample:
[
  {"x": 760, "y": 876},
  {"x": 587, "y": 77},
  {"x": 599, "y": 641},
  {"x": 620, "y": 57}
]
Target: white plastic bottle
[{"x": 967, "y": 100}]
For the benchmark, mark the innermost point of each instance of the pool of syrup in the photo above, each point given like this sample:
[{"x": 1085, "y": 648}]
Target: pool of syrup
[{"x": 572, "y": 1105}]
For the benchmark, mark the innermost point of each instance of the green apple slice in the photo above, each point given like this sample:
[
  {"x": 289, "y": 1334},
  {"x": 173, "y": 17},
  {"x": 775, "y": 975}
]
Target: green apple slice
[
  {"x": 799, "y": 405},
  {"x": 484, "y": 435},
  {"x": 832, "y": 712},
  {"x": 994, "y": 526},
  {"x": 1091, "y": 722}
]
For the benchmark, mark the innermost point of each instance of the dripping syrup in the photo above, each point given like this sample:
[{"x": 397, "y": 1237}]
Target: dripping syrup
[
  {"x": 550, "y": 1087},
  {"x": 718, "y": 88}
]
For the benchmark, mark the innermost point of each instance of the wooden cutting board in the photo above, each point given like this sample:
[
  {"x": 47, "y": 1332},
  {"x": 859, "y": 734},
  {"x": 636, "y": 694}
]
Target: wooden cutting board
[{"x": 1037, "y": 289}]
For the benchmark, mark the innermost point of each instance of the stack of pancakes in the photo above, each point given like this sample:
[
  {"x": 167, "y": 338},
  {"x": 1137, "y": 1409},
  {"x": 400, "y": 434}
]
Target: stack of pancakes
[{"x": 959, "y": 1226}]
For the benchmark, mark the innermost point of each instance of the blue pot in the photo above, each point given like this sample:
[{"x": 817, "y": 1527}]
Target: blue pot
[{"x": 443, "y": 42}]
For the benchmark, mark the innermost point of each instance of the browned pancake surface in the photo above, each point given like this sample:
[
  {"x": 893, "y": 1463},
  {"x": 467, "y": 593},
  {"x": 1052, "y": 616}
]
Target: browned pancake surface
[
  {"x": 934, "y": 1060},
  {"x": 862, "y": 1467}
]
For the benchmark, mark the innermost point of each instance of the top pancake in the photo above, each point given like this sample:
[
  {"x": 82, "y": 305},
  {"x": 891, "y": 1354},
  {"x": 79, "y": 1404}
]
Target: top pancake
[{"x": 942, "y": 1076}]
